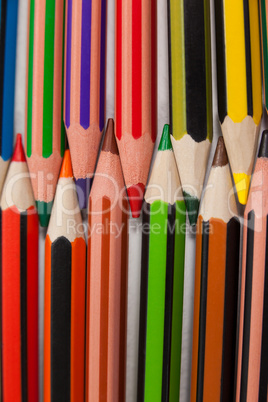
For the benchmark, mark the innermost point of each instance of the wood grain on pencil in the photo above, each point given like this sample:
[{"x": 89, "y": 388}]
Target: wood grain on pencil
[
  {"x": 107, "y": 278},
  {"x": 65, "y": 285},
  {"x": 135, "y": 93},
  {"x": 44, "y": 129},
  {"x": 19, "y": 284},
  {"x": 252, "y": 370},
  {"x": 84, "y": 100},
  {"x": 216, "y": 287},
  {"x": 239, "y": 85}
]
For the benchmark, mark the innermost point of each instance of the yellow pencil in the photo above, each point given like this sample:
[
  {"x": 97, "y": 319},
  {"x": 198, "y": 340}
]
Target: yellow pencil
[{"x": 239, "y": 85}]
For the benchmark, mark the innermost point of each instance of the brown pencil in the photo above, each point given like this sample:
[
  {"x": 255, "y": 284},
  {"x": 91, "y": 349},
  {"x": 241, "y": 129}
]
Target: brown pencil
[{"x": 107, "y": 278}]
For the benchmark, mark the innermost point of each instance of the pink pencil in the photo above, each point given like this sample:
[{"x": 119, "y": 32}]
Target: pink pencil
[
  {"x": 135, "y": 93},
  {"x": 84, "y": 101},
  {"x": 252, "y": 370}
]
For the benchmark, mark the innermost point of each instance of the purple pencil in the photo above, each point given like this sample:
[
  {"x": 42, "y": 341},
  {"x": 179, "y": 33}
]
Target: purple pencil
[{"x": 84, "y": 97}]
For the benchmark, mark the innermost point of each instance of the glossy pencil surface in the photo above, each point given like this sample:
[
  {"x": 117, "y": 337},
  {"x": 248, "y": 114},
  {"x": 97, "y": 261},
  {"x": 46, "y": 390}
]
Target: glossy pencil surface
[
  {"x": 84, "y": 100},
  {"x": 45, "y": 139},
  {"x": 239, "y": 85},
  {"x": 8, "y": 39},
  {"x": 162, "y": 278},
  {"x": 65, "y": 276},
  {"x": 252, "y": 371},
  {"x": 135, "y": 93},
  {"x": 107, "y": 278},
  {"x": 216, "y": 287},
  {"x": 19, "y": 284},
  {"x": 190, "y": 94}
]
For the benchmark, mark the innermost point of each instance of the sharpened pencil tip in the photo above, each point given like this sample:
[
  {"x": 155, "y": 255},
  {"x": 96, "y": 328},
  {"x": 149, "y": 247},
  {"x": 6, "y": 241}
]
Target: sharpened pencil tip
[
  {"x": 109, "y": 143},
  {"x": 192, "y": 207},
  {"x": 165, "y": 142},
  {"x": 263, "y": 151},
  {"x": 83, "y": 187},
  {"x": 44, "y": 211},
  {"x": 18, "y": 154},
  {"x": 66, "y": 166},
  {"x": 220, "y": 157},
  {"x": 135, "y": 196}
]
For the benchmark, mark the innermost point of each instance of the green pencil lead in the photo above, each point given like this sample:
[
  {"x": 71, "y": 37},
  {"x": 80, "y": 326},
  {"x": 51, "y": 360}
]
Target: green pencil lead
[
  {"x": 44, "y": 211},
  {"x": 192, "y": 206},
  {"x": 165, "y": 142}
]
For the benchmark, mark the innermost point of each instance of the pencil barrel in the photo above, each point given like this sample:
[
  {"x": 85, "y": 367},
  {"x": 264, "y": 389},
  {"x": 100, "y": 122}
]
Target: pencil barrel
[
  {"x": 253, "y": 331},
  {"x": 64, "y": 328},
  {"x": 215, "y": 310},
  {"x": 8, "y": 38},
  {"x": 19, "y": 305},
  {"x": 161, "y": 301},
  {"x": 106, "y": 300},
  {"x": 44, "y": 128}
]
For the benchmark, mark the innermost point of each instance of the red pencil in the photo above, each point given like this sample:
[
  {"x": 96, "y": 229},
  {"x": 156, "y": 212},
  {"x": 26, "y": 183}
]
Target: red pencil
[
  {"x": 135, "y": 93},
  {"x": 19, "y": 283}
]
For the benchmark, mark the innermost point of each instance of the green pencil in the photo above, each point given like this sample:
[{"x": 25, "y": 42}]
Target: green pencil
[
  {"x": 163, "y": 247},
  {"x": 44, "y": 130}
]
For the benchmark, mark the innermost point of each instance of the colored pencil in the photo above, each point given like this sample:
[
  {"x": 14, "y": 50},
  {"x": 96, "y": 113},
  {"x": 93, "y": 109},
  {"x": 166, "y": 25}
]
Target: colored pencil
[
  {"x": 162, "y": 277},
  {"x": 239, "y": 85},
  {"x": 8, "y": 38},
  {"x": 216, "y": 287},
  {"x": 252, "y": 371},
  {"x": 107, "y": 277},
  {"x": 84, "y": 101},
  {"x": 190, "y": 95},
  {"x": 65, "y": 285},
  {"x": 19, "y": 284},
  {"x": 135, "y": 93},
  {"x": 45, "y": 139},
  {"x": 264, "y": 35}
]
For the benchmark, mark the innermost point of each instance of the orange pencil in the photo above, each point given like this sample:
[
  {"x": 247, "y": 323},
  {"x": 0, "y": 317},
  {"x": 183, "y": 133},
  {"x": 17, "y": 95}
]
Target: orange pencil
[
  {"x": 216, "y": 287},
  {"x": 107, "y": 278},
  {"x": 65, "y": 263},
  {"x": 252, "y": 370},
  {"x": 19, "y": 284},
  {"x": 135, "y": 93}
]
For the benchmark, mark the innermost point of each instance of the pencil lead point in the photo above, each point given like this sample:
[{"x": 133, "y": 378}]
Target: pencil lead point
[
  {"x": 242, "y": 182},
  {"x": 192, "y": 207},
  {"x": 263, "y": 151},
  {"x": 44, "y": 211},
  {"x": 66, "y": 167},
  {"x": 220, "y": 156},
  {"x": 18, "y": 154},
  {"x": 165, "y": 142},
  {"x": 109, "y": 143},
  {"x": 135, "y": 196}
]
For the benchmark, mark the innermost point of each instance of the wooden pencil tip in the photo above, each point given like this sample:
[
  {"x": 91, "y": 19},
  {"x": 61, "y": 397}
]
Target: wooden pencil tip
[
  {"x": 18, "y": 154},
  {"x": 263, "y": 151},
  {"x": 66, "y": 167},
  {"x": 220, "y": 157},
  {"x": 109, "y": 143},
  {"x": 165, "y": 142}
]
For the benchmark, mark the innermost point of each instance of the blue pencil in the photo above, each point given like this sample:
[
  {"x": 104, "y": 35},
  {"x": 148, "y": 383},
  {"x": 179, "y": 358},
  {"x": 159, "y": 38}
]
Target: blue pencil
[{"x": 8, "y": 39}]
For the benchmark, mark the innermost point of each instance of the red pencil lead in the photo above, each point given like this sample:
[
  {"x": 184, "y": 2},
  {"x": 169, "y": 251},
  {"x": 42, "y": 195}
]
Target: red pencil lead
[{"x": 18, "y": 155}]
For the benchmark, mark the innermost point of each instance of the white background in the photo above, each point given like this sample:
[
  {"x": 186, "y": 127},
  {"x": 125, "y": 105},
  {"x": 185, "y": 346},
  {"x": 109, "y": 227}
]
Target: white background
[{"x": 135, "y": 232}]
